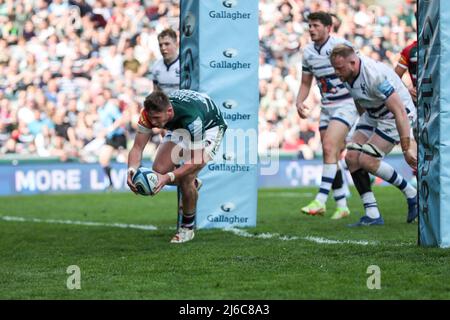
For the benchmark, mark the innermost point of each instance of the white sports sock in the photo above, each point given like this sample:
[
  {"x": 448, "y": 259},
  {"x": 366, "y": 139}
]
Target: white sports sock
[
  {"x": 340, "y": 197},
  {"x": 389, "y": 174},
  {"x": 370, "y": 205},
  {"x": 328, "y": 174}
]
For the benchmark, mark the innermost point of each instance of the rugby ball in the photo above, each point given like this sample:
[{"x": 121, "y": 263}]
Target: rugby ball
[{"x": 145, "y": 181}]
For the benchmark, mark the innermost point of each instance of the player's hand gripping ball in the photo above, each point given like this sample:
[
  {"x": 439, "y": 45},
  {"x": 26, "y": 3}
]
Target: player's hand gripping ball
[{"x": 145, "y": 181}]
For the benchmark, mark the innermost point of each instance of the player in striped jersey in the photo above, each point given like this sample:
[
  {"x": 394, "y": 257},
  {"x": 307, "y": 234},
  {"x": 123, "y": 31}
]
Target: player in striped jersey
[
  {"x": 389, "y": 113},
  {"x": 166, "y": 71},
  {"x": 338, "y": 112}
]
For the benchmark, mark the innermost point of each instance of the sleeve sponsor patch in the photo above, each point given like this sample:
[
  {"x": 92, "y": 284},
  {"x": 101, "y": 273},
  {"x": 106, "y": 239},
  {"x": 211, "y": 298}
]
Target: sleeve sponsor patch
[{"x": 386, "y": 88}]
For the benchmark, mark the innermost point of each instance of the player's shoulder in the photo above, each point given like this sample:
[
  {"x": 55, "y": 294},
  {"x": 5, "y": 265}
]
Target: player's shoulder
[
  {"x": 406, "y": 52},
  {"x": 412, "y": 45},
  {"x": 334, "y": 41},
  {"x": 144, "y": 120},
  {"x": 376, "y": 73},
  {"x": 159, "y": 64},
  {"x": 309, "y": 50},
  {"x": 371, "y": 69}
]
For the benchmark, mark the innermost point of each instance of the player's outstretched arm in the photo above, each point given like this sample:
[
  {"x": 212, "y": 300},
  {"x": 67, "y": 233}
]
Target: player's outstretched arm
[
  {"x": 135, "y": 157},
  {"x": 395, "y": 105}
]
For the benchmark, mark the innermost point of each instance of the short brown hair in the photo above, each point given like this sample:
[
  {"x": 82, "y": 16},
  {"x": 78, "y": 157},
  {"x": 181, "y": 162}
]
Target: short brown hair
[
  {"x": 156, "y": 101},
  {"x": 323, "y": 17},
  {"x": 168, "y": 33},
  {"x": 342, "y": 50}
]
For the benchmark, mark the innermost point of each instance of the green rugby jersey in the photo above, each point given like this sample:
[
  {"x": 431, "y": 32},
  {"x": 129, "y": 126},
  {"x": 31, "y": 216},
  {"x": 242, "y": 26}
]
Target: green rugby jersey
[{"x": 194, "y": 112}]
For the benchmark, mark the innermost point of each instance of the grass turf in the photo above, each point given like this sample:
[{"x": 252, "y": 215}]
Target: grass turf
[{"x": 137, "y": 264}]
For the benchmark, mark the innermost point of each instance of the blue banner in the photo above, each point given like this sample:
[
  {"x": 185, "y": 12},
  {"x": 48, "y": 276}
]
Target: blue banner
[
  {"x": 219, "y": 56},
  {"x": 85, "y": 178},
  {"x": 434, "y": 121}
]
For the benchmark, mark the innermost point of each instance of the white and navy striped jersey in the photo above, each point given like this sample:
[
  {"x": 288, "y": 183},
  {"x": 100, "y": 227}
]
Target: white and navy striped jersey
[
  {"x": 374, "y": 84},
  {"x": 167, "y": 77},
  {"x": 316, "y": 61}
]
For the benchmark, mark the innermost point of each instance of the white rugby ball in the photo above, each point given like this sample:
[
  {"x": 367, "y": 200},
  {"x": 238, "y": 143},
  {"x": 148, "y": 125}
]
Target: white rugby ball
[{"x": 145, "y": 181}]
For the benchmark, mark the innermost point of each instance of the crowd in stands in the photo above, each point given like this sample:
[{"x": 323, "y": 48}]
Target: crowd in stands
[{"x": 61, "y": 61}]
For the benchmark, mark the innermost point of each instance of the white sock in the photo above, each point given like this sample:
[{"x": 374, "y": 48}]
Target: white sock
[
  {"x": 389, "y": 174},
  {"x": 370, "y": 205},
  {"x": 340, "y": 197},
  {"x": 328, "y": 174}
]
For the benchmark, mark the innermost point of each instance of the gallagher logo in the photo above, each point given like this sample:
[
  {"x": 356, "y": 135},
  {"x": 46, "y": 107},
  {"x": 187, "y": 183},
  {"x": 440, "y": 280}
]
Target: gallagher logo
[
  {"x": 230, "y": 53},
  {"x": 229, "y": 104},
  {"x": 228, "y": 207},
  {"x": 230, "y": 3},
  {"x": 227, "y": 64},
  {"x": 228, "y": 156}
]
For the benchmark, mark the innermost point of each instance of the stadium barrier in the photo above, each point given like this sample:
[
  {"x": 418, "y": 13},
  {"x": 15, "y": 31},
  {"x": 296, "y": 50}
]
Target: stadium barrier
[{"x": 39, "y": 177}]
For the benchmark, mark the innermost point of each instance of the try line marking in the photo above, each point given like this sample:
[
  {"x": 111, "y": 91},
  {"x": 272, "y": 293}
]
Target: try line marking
[
  {"x": 80, "y": 223},
  {"x": 238, "y": 232},
  {"x": 320, "y": 240}
]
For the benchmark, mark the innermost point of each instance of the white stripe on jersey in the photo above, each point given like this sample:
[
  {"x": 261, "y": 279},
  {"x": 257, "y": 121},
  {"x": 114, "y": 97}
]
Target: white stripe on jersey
[
  {"x": 374, "y": 84},
  {"x": 166, "y": 77},
  {"x": 316, "y": 61}
]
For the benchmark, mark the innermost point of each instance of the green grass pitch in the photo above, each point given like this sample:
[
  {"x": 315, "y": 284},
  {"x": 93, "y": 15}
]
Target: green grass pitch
[{"x": 125, "y": 263}]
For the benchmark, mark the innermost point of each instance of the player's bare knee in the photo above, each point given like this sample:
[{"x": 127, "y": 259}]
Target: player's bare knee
[
  {"x": 368, "y": 163},
  {"x": 352, "y": 158},
  {"x": 329, "y": 151}
]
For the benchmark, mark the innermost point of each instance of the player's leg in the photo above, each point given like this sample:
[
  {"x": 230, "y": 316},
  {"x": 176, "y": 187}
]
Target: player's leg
[
  {"x": 317, "y": 206},
  {"x": 189, "y": 198},
  {"x": 105, "y": 155},
  {"x": 163, "y": 159},
  {"x": 189, "y": 186},
  {"x": 335, "y": 124},
  {"x": 386, "y": 172},
  {"x": 333, "y": 144},
  {"x": 361, "y": 178}
]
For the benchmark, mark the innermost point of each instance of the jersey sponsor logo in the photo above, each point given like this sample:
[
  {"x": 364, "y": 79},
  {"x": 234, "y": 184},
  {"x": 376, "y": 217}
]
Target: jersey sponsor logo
[
  {"x": 326, "y": 86},
  {"x": 364, "y": 88},
  {"x": 385, "y": 88}
]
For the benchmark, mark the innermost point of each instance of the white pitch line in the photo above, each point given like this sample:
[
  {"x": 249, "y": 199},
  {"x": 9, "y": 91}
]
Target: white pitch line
[
  {"x": 236, "y": 231},
  {"x": 319, "y": 240},
  {"x": 81, "y": 223},
  {"x": 285, "y": 195}
]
